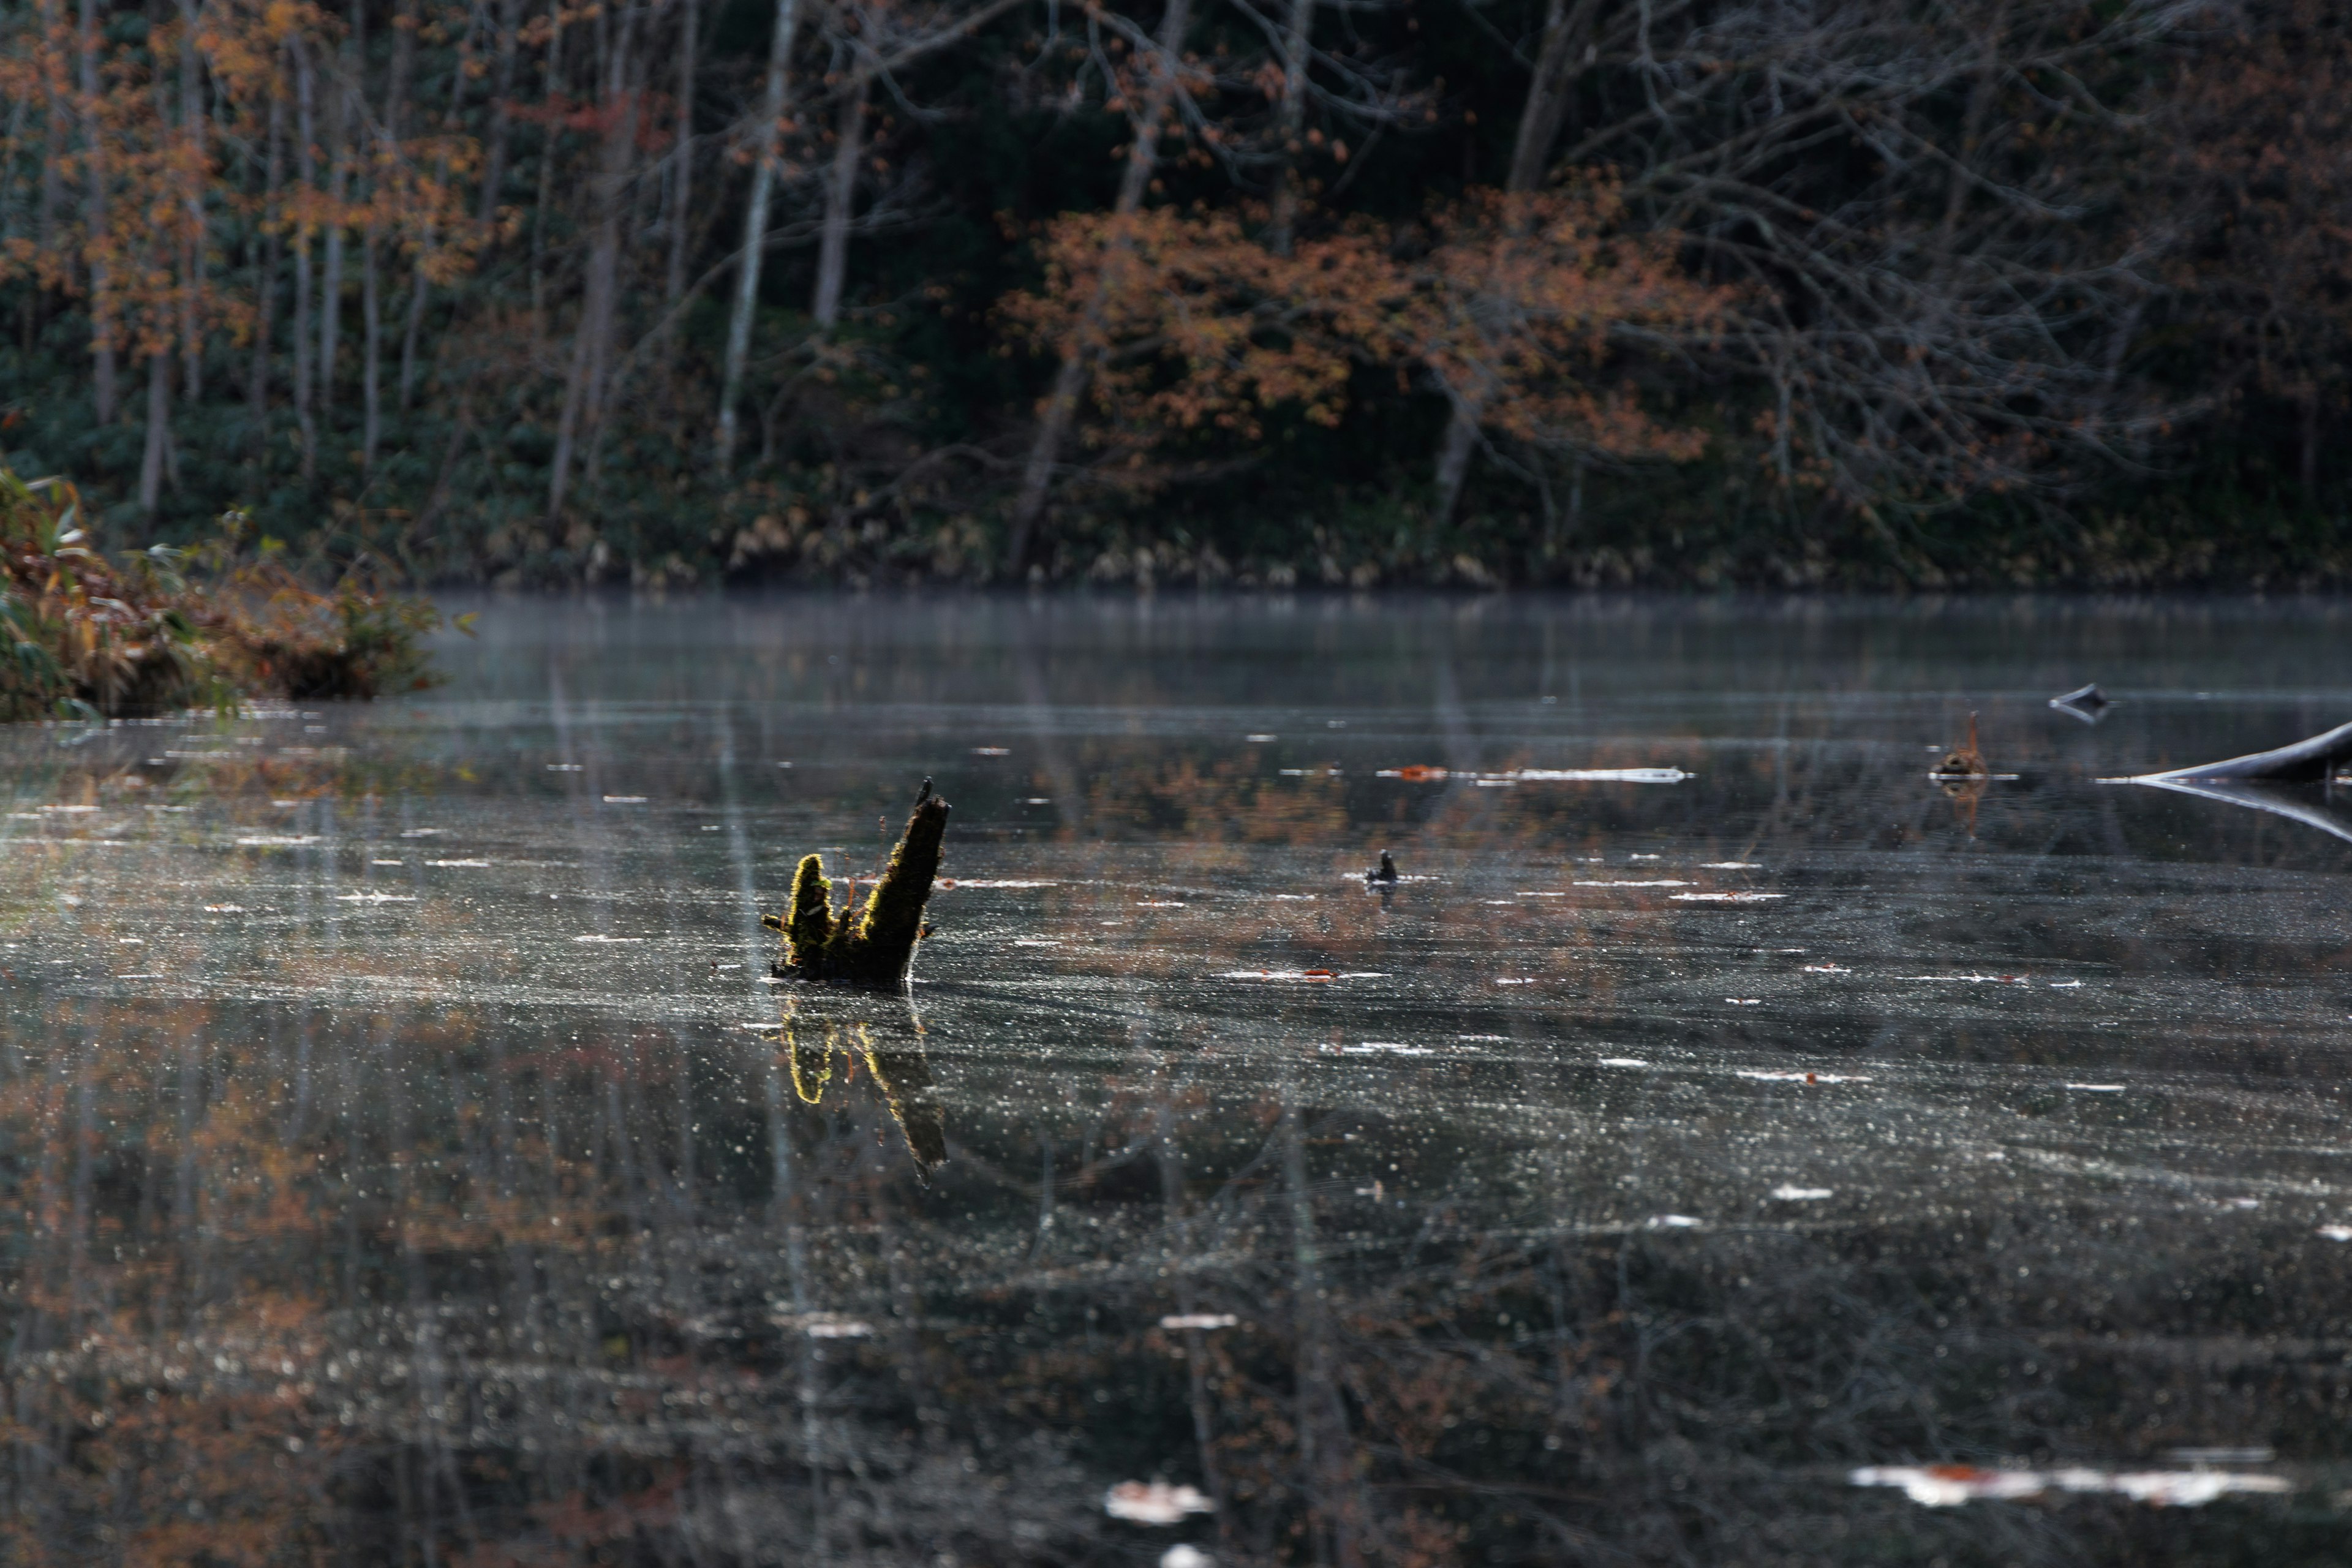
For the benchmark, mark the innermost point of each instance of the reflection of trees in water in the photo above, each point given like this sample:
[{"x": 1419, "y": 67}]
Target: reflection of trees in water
[
  {"x": 624, "y": 1297},
  {"x": 434, "y": 1286}
]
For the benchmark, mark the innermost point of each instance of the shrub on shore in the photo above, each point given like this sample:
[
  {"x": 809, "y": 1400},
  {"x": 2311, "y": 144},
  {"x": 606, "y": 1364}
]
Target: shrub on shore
[{"x": 83, "y": 635}]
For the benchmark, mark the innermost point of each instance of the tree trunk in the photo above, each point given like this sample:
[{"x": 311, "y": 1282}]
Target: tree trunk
[
  {"x": 1567, "y": 24},
  {"x": 680, "y": 191},
  {"x": 371, "y": 353},
  {"x": 53, "y": 136},
  {"x": 2311, "y": 444},
  {"x": 330, "y": 290},
  {"x": 554, "y": 87},
  {"x": 1061, "y": 407},
  {"x": 840, "y": 197},
  {"x": 159, "y": 432},
  {"x": 306, "y": 173},
  {"x": 755, "y": 226},
  {"x": 191, "y": 126},
  {"x": 494, "y": 168},
  {"x": 591, "y": 341},
  {"x": 1290, "y": 125},
  {"x": 395, "y": 119},
  {"x": 403, "y": 61},
  {"x": 94, "y": 220},
  {"x": 265, "y": 289}
]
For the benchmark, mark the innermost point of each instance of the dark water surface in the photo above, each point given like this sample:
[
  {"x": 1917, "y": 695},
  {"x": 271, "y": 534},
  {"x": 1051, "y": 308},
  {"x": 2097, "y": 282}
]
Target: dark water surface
[{"x": 411, "y": 1162}]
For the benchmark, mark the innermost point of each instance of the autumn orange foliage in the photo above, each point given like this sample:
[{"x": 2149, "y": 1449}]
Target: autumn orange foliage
[
  {"x": 1514, "y": 306},
  {"x": 143, "y": 247}
]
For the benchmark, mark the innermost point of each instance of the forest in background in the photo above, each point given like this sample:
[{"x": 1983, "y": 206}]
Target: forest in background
[{"x": 1345, "y": 292}]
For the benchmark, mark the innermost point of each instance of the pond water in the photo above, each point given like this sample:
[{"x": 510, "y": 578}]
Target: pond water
[{"x": 1770, "y": 1155}]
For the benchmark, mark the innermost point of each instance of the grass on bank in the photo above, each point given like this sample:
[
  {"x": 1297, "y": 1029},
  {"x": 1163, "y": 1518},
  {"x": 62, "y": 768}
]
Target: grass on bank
[{"x": 163, "y": 630}]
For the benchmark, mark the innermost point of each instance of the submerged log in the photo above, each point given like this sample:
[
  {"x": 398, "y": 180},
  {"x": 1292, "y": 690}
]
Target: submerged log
[
  {"x": 2306, "y": 762},
  {"x": 876, "y": 945}
]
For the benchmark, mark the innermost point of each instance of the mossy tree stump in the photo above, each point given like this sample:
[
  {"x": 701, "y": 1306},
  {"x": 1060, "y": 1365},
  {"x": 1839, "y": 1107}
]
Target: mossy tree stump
[{"x": 873, "y": 946}]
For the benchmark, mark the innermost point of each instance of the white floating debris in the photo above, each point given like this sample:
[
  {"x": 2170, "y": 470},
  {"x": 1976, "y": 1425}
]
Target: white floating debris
[
  {"x": 566, "y": 767},
  {"x": 422, "y": 832},
  {"x": 2098, "y": 1087},
  {"x": 277, "y": 840},
  {"x": 1623, "y": 1062},
  {"x": 2065, "y": 985},
  {"x": 1944, "y": 1485},
  {"x": 608, "y": 939},
  {"x": 1507, "y": 980},
  {"x": 1502, "y": 1037},
  {"x": 991, "y": 752},
  {"x": 1824, "y": 969},
  {"x": 1294, "y": 897},
  {"x": 993, "y": 882},
  {"x": 1158, "y": 904},
  {"x": 1725, "y": 898},
  {"x": 1973, "y": 978},
  {"x": 624, "y": 800},
  {"x": 1154, "y": 1503},
  {"x": 1385, "y": 1048},
  {"x": 1729, "y": 866},
  {"x": 824, "y": 1325},
  {"x": 1788, "y": 1195},
  {"x": 373, "y": 898},
  {"x": 1745, "y": 1001},
  {"x": 1672, "y": 1222},
  {"x": 1947, "y": 1486},
  {"x": 1601, "y": 776},
  {"x": 224, "y": 909},
  {"x": 1306, "y": 974},
  {"x": 1185, "y": 1555},
  {"x": 1658, "y": 882},
  {"x": 1763, "y": 1076},
  {"x": 2336, "y": 1232},
  {"x": 70, "y": 810},
  {"x": 2191, "y": 1488},
  {"x": 387, "y": 862},
  {"x": 1260, "y": 739},
  {"x": 456, "y": 862},
  {"x": 1199, "y": 1321}
]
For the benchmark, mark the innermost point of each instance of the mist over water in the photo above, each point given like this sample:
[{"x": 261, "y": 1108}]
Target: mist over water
[{"x": 1803, "y": 1159}]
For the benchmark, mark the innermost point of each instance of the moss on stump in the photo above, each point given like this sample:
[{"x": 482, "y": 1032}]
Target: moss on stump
[{"x": 873, "y": 946}]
